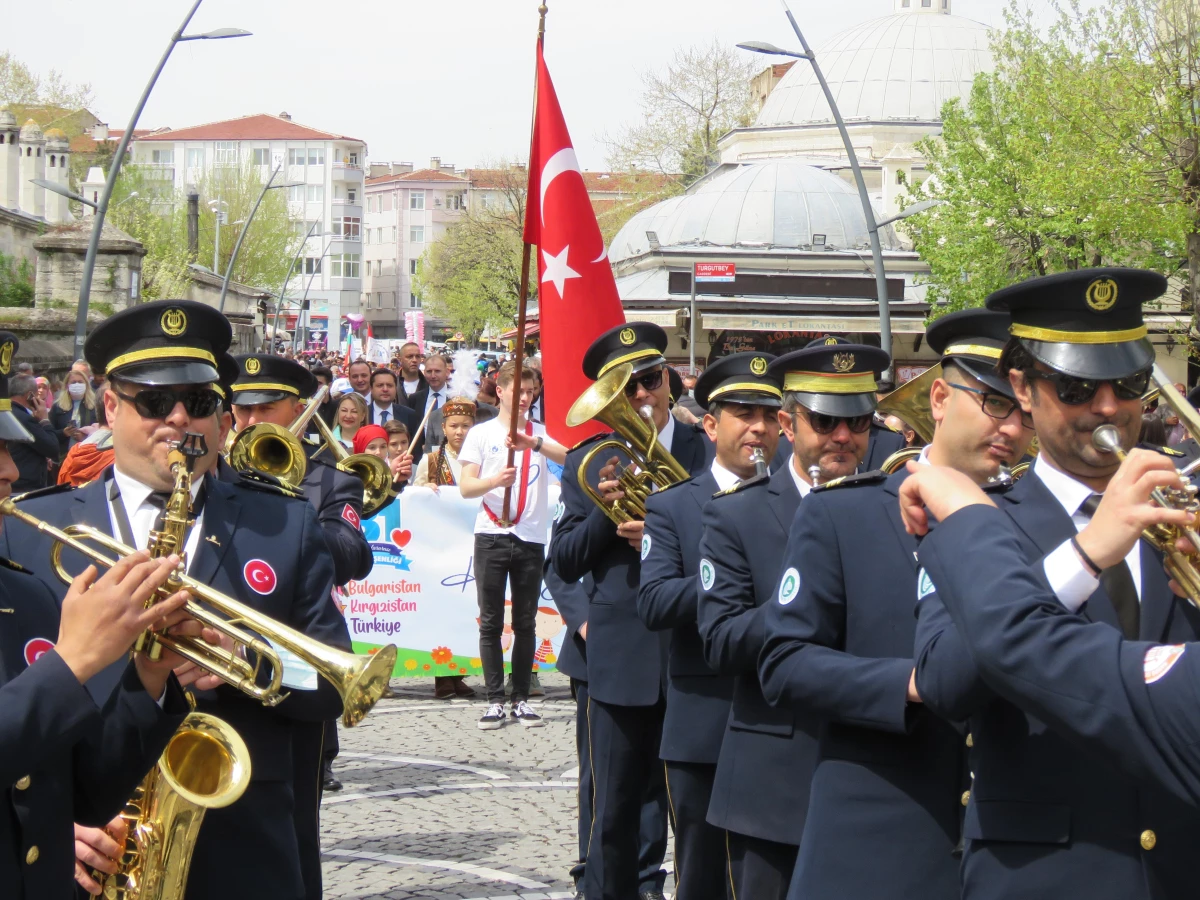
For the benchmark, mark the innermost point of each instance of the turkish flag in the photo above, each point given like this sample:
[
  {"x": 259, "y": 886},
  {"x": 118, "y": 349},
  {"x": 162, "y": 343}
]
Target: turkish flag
[{"x": 577, "y": 294}]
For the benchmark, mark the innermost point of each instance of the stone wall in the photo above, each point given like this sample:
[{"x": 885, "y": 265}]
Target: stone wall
[
  {"x": 116, "y": 279},
  {"x": 18, "y": 233}
]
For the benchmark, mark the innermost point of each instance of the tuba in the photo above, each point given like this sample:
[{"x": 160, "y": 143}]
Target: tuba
[
  {"x": 205, "y": 766},
  {"x": 605, "y": 401},
  {"x": 274, "y": 450}
]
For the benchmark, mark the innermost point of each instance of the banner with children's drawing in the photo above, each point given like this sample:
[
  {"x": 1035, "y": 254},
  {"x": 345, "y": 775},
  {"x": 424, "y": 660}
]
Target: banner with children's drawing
[{"x": 420, "y": 594}]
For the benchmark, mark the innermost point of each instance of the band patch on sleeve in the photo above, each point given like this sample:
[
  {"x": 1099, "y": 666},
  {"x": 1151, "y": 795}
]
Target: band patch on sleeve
[
  {"x": 924, "y": 585},
  {"x": 1160, "y": 660},
  {"x": 707, "y": 574},
  {"x": 789, "y": 586},
  {"x": 645, "y": 546}
]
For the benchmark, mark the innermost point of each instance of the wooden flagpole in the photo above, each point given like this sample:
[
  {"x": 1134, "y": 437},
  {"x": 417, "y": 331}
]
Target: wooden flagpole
[{"x": 519, "y": 357}]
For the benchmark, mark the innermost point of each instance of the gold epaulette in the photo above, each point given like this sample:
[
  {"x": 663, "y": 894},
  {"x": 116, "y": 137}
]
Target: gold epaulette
[{"x": 877, "y": 476}]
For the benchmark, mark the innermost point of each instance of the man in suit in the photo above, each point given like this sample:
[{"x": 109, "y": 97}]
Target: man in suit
[
  {"x": 33, "y": 456},
  {"x": 412, "y": 381},
  {"x": 249, "y": 541},
  {"x": 625, "y": 660},
  {"x": 885, "y": 803},
  {"x": 1047, "y": 816},
  {"x": 742, "y": 401},
  {"x": 384, "y": 405},
  {"x": 429, "y": 402},
  {"x": 359, "y": 375}
]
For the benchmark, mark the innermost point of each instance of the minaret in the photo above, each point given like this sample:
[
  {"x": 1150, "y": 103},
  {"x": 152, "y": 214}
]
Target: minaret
[
  {"x": 941, "y": 7},
  {"x": 58, "y": 171},
  {"x": 10, "y": 191},
  {"x": 33, "y": 165}
]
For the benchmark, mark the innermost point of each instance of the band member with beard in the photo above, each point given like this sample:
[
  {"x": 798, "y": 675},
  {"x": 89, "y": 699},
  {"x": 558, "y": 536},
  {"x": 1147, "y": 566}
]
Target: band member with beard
[
  {"x": 1047, "y": 815},
  {"x": 884, "y": 809}
]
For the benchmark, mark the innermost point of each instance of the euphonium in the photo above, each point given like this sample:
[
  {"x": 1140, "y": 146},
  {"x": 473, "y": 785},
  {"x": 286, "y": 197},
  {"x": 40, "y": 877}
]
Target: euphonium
[
  {"x": 205, "y": 766},
  {"x": 275, "y": 450},
  {"x": 910, "y": 402},
  {"x": 372, "y": 471},
  {"x": 606, "y": 402}
]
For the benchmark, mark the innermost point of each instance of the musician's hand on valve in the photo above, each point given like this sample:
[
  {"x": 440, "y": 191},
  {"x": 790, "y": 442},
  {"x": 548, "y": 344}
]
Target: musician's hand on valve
[
  {"x": 101, "y": 618},
  {"x": 1126, "y": 509},
  {"x": 609, "y": 487},
  {"x": 191, "y": 675},
  {"x": 178, "y": 624},
  {"x": 632, "y": 532},
  {"x": 98, "y": 848},
  {"x": 935, "y": 492}
]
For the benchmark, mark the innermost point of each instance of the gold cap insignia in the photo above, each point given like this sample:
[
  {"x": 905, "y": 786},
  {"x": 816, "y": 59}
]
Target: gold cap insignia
[
  {"x": 843, "y": 362},
  {"x": 628, "y": 336},
  {"x": 1101, "y": 294},
  {"x": 173, "y": 322},
  {"x": 831, "y": 341},
  {"x": 758, "y": 366},
  {"x": 6, "y": 353},
  {"x": 253, "y": 366}
]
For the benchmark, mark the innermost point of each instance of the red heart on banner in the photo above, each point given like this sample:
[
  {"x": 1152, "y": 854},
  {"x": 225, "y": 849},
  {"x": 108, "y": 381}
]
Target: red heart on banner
[{"x": 401, "y": 538}]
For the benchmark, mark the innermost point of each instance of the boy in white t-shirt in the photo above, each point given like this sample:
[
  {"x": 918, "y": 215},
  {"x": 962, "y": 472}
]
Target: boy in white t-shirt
[{"x": 508, "y": 550}]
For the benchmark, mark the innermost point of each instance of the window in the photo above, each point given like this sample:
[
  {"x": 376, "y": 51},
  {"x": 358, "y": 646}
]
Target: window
[
  {"x": 316, "y": 193},
  {"x": 195, "y": 158},
  {"x": 312, "y": 265},
  {"x": 456, "y": 200},
  {"x": 368, "y": 235},
  {"x": 393, "y": 238},
  {"x": 296, "y": 193},
  {"x": 296, "y": 157},
  {"x": 262, "y": 156},
  {"x": 316, "y": 156},
  {"x": 391, "y": 299},
  {"x": 378, "y": 268},
  {"x": 347, "y": 227},
  {"x": 414, "y": 301},
  {"x": 412, "y": 267},
  {"x": 225, "y": 153},
  {"x": 162, "y": 157},
  {"x": 416, "y": 234},
  {"x": 353, "y": 157},
  {"x": 900, "y": 179},
  {"x": 300, "y": 228},
  {"x": 351, "y": 195},
  {"x": 344, "y": 265},
  {"x": 416, "y": 199},
  {"x": 52, "y": 160}
]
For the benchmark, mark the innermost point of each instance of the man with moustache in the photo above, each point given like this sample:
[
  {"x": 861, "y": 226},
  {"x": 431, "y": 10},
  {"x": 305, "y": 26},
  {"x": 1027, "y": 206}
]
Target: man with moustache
[
  {"x": 742, "y": 401},
  {"x": 1047, "y": 816},
  {"x": 885, "y": 801}
]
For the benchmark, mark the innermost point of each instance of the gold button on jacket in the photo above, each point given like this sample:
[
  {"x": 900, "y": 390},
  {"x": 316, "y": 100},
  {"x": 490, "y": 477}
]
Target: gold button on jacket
[
  {"x": 970, "y": 740},
  {"x": 32, "y": 856},
  {"x": 22, "y": 783},
  {"x": 1149, "y": 839},
  {"x": 966, "y": 797}
]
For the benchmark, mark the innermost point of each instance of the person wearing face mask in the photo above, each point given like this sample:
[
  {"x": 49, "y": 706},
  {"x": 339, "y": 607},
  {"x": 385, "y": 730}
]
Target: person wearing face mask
[{"x": 74, "y": 414}]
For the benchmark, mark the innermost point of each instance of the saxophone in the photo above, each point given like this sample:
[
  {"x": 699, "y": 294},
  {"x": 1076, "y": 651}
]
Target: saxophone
[{"x": 205, "y": 765}]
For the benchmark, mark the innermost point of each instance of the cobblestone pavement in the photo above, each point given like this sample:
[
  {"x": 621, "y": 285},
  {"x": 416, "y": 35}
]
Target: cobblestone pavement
[{"x": 433, "y": 808}]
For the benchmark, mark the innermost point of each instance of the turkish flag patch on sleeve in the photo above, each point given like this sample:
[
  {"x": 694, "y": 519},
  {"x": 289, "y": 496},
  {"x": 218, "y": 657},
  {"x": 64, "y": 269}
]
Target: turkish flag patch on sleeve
[{"x": 351, "y": 516}]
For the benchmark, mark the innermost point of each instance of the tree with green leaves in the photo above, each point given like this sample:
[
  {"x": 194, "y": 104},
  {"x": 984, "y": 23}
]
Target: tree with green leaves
[
  {"x": 1072, "y": 153},
  {"x": 21, "y": 88}
]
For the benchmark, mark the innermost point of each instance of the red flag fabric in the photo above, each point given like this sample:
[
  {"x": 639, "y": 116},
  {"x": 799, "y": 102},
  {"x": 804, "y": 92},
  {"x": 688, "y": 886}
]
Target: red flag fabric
[{"x": 577, "y": 294}]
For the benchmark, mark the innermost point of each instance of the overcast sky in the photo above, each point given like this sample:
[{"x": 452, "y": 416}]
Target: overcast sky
[{"x": 412, "y": 79}]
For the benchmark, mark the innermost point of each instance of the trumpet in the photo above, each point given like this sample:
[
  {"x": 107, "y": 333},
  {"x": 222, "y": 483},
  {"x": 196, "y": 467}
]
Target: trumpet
[
  {"x": 276, "y": 450},
  {"x": 606, "y": 402},
  {"x": 359, "y": 680}
]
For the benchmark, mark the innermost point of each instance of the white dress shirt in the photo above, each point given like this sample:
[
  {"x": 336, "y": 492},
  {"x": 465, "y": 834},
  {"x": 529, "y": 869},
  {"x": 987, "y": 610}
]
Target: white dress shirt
[
  {"x": 141, "y": 513},
  {"x": 724, "y": 478},
  {"x": 379, "y": 411},
  {"x": 440, "y": 395},
  {"x": 801, "y": 485},
  {"x": 666, "y": 437},
  {"x": 1072, "y": 581}
]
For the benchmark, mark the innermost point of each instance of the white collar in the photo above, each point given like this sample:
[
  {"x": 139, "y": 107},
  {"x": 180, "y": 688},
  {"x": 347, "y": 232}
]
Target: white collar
[
  {"x": 1066, "y": 490},
  {"x": 923, "y": 458},
  {"x": 801, "y": 485},
  {"x": 667, "y": 435},
  {"x": 724, "y": 478},
  {"x": 134, "y": 493}
]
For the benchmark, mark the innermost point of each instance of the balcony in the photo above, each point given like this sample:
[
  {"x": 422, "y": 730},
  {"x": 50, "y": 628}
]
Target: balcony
[
  {"x": 344, "y": 207},
  {"x": 344, "y": 171}
]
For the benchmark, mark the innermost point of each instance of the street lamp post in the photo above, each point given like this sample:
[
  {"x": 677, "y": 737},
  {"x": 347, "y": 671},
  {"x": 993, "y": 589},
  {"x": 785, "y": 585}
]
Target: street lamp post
[
  {"x": 291, "y": 268},
  {"x": 215, "y": 206},
  {"x": 114, "y": 168},
  {"x": 237, "y": 248}
]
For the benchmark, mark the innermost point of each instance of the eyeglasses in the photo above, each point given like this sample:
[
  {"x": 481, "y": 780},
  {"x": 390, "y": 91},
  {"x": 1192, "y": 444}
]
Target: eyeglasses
[
  {"x": 651, "y": 381},
  {"x": 1076, "y": 391},
  {"x": 157, "y": 403},
  {"x": 826, "y": 424},
  {"x": 995, "y": 405}
]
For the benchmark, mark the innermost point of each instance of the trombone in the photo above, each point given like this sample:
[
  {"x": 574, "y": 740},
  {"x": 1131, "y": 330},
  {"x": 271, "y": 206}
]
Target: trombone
[
  {"x": 276, "y": 450},
  {"x": 359, "y": 680},
  {"x": 372, "y": 471}
]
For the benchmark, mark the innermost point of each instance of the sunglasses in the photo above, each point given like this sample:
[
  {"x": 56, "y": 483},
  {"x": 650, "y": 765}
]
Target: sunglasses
[
  {"x": 157, "y": 403},
  {"x": 826, "y": 424},
  {"x": 651, "y": 381},
  {"x": 1076, "y": 391}
]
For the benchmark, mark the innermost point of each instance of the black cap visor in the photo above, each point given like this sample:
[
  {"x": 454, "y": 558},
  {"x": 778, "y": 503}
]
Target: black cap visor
[
  {"x": 642, "y": 365},
  {"x": 748, "y": 398},
  {"x": 11, "y": 428},
  {"x": 1099, "y": 362},
  {"x": 844, "y": 406},
  {"x": 253, "y": 398},
  {"x": 162, "y": 373},
  {"x": 985, "y": 373}
]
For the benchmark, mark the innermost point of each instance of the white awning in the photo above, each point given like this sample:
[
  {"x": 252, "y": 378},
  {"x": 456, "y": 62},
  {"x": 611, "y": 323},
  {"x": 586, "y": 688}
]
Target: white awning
[
  {"x": 663, "y": 318},
  {"x": 755, "y": 322}
]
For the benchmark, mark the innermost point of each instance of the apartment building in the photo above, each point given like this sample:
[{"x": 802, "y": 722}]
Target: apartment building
[{"x": 325, "y": 171}]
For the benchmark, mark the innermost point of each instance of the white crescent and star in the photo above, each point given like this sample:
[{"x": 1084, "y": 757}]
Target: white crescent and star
[
  {"x": 557, "y": 271},
  {"x": 561, "y": 162}
]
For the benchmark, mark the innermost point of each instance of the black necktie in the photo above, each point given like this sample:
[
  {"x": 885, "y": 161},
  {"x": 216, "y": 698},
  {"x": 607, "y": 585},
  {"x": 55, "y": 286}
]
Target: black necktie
[
  {"x": 1117, "y": 582},
  {"x": 158, "y": 499}
]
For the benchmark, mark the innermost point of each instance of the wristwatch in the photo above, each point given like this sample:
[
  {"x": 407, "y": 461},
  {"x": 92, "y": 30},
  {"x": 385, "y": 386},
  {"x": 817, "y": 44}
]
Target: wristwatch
[{"x": 537, "y": 445}]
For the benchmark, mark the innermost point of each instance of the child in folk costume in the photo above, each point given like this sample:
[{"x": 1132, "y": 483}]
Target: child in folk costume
[{"x": 441, "y": 466}]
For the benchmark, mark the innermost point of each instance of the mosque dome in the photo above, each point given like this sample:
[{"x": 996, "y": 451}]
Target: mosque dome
[
  {"x": 773, "y": 204},
  {"x": 31, "y": 131},
  {"x": 7, "y": 118},
  {"x": 899, "y": 67}
]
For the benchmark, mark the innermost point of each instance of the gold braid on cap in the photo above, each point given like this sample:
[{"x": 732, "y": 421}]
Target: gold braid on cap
[{"x": 459, "y": 406}]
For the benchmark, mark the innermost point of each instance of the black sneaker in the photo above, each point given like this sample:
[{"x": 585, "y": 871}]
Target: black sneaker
[
  {"x": 493, "y": 718},
  {"x": 524, "y": 714}
]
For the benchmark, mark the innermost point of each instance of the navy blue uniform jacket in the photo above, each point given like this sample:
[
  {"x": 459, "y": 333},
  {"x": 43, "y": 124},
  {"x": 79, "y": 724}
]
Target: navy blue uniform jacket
[
  {"x": 698, "y": 698},
  {"x": 767, "y": 755},
  {"x": 1049, "y": 816},
  {"x": 625, "y": 659},
  {"x": 249, "y": 847},
  {"x": 884, "y": 816},
  {"x": 62, "y": 760}
]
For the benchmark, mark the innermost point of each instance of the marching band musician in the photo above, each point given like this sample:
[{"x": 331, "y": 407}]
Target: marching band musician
[
  {"x": 625, "y": 660},
  {"x": 250, "y": 541},
  {"x": 1048, "y": 816},
  {"x": 273, "y": 389},
  {"x": 741, "y": 403},
  {"x": 64, "y": 757},
  {"x": 885, "y": 804}
]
